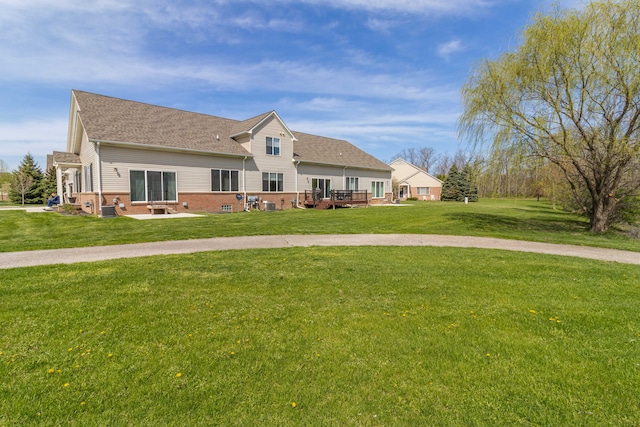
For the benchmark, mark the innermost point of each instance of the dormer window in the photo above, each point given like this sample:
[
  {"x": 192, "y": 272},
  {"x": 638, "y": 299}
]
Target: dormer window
[{"x": 273, "y": 146}]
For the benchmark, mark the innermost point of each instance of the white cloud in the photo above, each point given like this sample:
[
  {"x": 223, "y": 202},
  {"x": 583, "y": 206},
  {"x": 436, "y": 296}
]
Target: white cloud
[
  {"x": 451, "y": 7},
  {"x": 108, "y": 43},
  {"x": 38, "y": 137},
  {"x": 15, "y": 133},
  {"x": 452, "y": 46},
  {"x": 380, "y": 25}
]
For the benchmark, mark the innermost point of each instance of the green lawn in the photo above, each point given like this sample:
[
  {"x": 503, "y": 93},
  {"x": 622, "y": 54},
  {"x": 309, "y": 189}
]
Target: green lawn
[
  {"x": 362, "y": 336},
  {"x": 351, "y": 336},
  {"x": 510, "y": 219}
]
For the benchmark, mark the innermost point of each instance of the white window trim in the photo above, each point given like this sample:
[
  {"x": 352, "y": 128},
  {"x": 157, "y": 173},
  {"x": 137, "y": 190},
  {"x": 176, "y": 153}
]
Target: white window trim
[
  {"x": 382, "y": 187},
  {"x": 353, "y": 179},
  {"x": 274, "y": 140},
  {"x": 146, "y": 185},
  {"x": 281, "y": 190},
  {"x": 224, "y": 191}
]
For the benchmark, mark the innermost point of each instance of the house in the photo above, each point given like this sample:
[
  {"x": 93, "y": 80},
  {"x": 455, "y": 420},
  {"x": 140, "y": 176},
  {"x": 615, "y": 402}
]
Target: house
[
  {"x": 129, "y": 157},
  {"x": 415, "y": 182}
]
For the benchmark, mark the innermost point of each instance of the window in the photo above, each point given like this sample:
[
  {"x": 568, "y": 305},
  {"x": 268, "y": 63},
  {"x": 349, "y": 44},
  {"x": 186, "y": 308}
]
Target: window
[
  {"x": 224, "y": 180},
  {"x": 424, "y": 191},
  {"x": 377, "y": 189},
  {"x": 352, "y": 183},
  {"x": 273, "y": 146},
  {"x": 272, "y": 181},
  {"x": 78, "y": 181},
  {"x": 88, "y": 178},
  {"x": 152, "y": 186}
]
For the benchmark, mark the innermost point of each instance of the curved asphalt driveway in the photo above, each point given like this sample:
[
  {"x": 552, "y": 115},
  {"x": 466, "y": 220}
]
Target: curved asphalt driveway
[{"x": 100, "y": 253}]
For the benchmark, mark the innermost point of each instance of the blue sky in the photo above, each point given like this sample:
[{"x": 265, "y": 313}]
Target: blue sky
[{"x": 383, "y": 74}]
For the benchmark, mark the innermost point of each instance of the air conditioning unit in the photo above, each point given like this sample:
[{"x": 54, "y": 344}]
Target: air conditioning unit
[{"x": 108, "y": 211}]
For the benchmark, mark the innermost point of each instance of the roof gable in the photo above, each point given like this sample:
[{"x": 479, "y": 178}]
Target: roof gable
[
  {"x": 414, "y": 170},
  {"x": 247, "y": 127}
]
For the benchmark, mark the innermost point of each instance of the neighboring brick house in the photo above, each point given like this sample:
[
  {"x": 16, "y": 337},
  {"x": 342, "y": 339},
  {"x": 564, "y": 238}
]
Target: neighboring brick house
[
  {"x": 415, "y": 182},
  {"x": 134, "y": 156}
]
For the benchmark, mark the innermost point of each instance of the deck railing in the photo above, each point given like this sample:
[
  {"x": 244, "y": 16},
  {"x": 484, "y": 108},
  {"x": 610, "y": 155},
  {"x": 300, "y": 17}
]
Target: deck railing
[
  {"x": 337, "y": 197},
  {"x": 349, "y": 195}
]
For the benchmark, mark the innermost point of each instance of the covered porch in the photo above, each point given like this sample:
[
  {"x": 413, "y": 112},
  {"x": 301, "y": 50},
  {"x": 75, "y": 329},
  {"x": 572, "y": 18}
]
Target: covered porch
[{"x": 68, "y": 176}]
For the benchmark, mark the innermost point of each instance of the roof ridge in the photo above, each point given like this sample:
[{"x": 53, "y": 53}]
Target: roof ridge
[{"x": 151, "y": 105}]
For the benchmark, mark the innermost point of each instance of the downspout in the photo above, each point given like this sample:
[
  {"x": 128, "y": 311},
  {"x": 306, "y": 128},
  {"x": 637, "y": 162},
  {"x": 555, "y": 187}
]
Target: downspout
[
  {"x": 98, "y": 161},
  {"x": 59, "y": 186},
  {"x": 344, "y": 178},
  {"x": 244, "y": 182},
  {"x": 297, "y": 190}
]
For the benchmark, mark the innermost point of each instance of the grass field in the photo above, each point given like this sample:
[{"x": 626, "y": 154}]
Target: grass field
[
  {"x": 362, "y": 336},
  {"x": 322, "y": 336},
  {"x": 510, "y": 219}
]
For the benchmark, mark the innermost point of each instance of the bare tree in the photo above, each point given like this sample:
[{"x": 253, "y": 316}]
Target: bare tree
[
  {"x": 443, "y": 165},
  {"x": 424, "y": 157},
  {"x": 5, "y": 179},
  {"x": 22, "y": 183}
]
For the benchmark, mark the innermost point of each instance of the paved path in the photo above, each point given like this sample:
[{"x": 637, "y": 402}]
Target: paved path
[{"x": 99, "y": 253}]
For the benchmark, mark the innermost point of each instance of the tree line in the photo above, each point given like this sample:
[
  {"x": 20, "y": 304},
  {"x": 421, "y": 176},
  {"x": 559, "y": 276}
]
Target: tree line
[
  {"x": 559, "y": 114},
  {"x": 505, "y": 175}
]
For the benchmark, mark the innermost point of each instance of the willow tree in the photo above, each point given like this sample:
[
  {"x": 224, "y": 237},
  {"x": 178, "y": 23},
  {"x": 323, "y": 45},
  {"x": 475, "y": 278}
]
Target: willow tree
[{"x": 569, "y": 93}]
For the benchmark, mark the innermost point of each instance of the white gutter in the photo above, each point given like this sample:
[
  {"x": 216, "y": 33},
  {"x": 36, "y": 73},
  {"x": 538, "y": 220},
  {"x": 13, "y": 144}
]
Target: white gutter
[
  {"x": 344, "y": 178},
  {"x": 244, "y": 181},
  {"x": 347, "y": 166},
  {"x": 99, "y": 177},
  {"x": 168, "y": 149},
  {"x": 297, "y": 190}
]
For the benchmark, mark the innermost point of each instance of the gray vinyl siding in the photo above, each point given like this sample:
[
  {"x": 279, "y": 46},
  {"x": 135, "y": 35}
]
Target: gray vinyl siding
[
  {"x": 193, "y": 170},
  {"x": 338, "y": 174},
  {"x": 88, "y": 157},
  {"x": 262, "y": 162},
  {"x": 306, "y": 174}
]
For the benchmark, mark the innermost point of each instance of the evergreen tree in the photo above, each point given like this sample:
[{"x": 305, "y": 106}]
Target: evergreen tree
[
  {"x": 468, "y": 186},
  {"x": 460, "y": 184},
  {"x": 451, "y": 185},
  {"x": 49, "y": 184},
  {"x": 26, "y": 183}
]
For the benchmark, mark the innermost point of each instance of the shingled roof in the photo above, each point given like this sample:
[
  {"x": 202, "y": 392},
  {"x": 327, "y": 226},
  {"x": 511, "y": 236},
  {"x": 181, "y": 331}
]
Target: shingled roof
[
  {"x": 64, "y": 157},
  {"x": 330, "y": 151},
  {"x": 117, "y": 120},
  {"x": 109, "y": 119}
]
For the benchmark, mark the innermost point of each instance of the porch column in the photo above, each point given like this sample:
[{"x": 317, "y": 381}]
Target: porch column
[{"x": 59, "y": 187}]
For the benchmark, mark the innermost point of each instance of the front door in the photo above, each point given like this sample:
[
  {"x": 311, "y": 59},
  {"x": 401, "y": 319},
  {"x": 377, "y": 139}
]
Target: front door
[{"x": 322, "y": 184}]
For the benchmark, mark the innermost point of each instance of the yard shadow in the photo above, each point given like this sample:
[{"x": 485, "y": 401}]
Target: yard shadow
[{"x": 505, "y": 223}]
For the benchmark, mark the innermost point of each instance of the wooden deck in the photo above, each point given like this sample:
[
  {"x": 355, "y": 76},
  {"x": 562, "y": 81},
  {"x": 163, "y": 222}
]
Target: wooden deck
[{"x": 338, "y": 199}]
